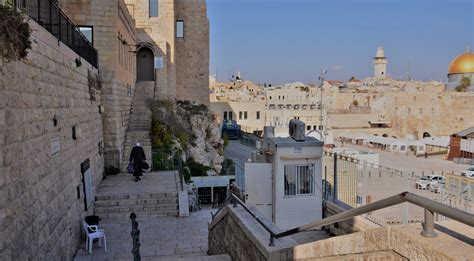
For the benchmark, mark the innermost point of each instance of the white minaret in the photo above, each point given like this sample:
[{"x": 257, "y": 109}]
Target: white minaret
[{"x": 380, "y": 64}]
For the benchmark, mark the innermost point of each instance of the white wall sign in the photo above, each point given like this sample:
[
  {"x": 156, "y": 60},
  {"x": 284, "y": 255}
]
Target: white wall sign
[
  {"x": 87, "y": 183},
  {"x": 158, "y": 62},
  {"x": 55, "y": 147}
]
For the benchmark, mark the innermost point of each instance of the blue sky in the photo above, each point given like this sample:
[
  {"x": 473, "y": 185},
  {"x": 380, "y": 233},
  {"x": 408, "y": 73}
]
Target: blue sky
[{"x": 279, "y": 41}]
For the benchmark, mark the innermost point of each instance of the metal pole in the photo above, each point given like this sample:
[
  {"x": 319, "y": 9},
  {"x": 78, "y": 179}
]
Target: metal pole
[
  {"x": 428, "y": 225},
  {"x": 335, "y": 178},
  {"x": 272, "y": 240},
  {"x": 135, "y": 237}
]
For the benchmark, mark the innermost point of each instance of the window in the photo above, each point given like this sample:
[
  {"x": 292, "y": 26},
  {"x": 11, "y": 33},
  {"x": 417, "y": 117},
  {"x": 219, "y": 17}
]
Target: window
[
  {"x": 308, "y": 127},
  {"x": 240, "y": 115},
  {"x": 299, "y": 180},
  {"x": 180, "y": 29},
  {"x": 258, "y": 115},
  {"x": 87, "y": 31},
  {"x": 153, "y": 8},
  {"x": 225, "y": 115},
  {"x": 245, "y": 115}
]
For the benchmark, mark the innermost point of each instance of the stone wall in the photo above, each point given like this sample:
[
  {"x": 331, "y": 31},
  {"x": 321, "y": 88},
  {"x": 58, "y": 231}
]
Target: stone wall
[
  {"x": 185, "y": 72},
  {"x": 236, "y": 233},
  {"x": 192, "y": 52},
  {"x": 114, "y": 37},
  {"x": 40, "y": 211}
]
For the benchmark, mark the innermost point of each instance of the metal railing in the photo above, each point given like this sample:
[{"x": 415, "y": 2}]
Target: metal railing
[
  {"x": 168, "y": 160},
  {"x": 353, "y": 183},
  {"x": 430, "y": 207},
  {"x": 48, "y": 14}
]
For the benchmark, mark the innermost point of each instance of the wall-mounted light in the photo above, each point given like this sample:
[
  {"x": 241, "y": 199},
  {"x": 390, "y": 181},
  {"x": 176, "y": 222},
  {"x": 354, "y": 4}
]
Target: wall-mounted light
[
  {"x": 55, "y": 120},
  {"x": 101, "y": 147},
  {"x": 78, "y": 62},
  {"x": 76, "y": 132}
]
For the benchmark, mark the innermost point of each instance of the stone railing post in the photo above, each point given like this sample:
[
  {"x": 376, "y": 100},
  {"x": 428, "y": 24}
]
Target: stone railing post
[{"x": 135, "y": 237}]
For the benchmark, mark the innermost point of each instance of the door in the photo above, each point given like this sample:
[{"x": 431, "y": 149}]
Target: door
[{"x": 145, "y": 66}]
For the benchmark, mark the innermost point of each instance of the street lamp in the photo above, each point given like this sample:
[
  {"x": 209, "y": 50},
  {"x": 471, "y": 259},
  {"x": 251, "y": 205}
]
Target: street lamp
[{"x": 321, "y": 82}]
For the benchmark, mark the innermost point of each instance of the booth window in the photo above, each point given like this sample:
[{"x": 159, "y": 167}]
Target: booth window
[{"x": 299, "y": 180}]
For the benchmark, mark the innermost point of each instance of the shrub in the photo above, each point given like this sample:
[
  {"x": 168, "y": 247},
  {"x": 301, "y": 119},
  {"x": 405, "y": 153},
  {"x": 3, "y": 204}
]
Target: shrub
[
  {"x": 197, "y": 169},
  {"x": 228, "y": 167},
  {"x": 14, "y": 35}
]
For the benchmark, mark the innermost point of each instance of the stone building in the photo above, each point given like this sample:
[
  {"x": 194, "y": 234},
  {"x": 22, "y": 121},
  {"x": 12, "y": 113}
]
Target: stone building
[
  {"x": 65, "y": 110},
  {"x": 372, "y": 106},
  {"x": 161, "y": 45},
  {"x": 173, "y": 47},
  {"x": 380, "y": 64},
  {"x": 461, "y": 66},
  {"x": 112, "y": 32}
]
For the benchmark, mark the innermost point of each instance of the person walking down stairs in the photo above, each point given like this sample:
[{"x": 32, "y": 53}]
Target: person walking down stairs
[{"x": 137, "y": 157}]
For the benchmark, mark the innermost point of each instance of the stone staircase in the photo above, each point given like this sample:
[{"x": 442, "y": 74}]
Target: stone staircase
[
  {"x": 139, "y": 123},
  {"x": 155, "y": 196}
]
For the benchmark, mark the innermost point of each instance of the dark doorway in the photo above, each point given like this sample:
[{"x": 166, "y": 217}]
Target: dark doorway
[
  {"x": 426, "y": 135},
  {"x": 145, "y": 66}
]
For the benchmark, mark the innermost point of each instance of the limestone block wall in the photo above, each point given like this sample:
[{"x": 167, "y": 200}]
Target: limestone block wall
[
  {"x": 236, "y": 233},
  {"x": 192, "y": 52},
  {"x": 114, "y": 37},
  {"x": 40, "y": 207}
]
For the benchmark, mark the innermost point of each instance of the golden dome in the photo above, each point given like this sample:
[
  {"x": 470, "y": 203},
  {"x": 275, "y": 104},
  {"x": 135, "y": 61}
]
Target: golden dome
[{"x": 464, "y": 63}]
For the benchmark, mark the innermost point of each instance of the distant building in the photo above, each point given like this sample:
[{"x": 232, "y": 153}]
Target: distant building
[
  {"x": 380, "y": 64},
  {"x": 462, "y": 66},
  {"x": 461, "y": 146}
]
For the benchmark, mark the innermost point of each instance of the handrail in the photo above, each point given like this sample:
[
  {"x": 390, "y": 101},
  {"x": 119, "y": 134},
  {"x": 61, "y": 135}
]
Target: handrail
[{"x": 429, "y": 205}]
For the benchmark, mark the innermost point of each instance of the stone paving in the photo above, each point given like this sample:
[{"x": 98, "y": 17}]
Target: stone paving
[{"x": 161, "y": 237}]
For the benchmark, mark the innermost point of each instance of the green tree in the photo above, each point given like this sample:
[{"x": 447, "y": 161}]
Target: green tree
[{"x": 463, "y": 84}]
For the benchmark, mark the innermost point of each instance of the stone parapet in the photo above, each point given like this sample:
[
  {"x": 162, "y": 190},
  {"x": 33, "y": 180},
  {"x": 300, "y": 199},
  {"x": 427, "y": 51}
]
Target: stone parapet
[{"x": 237, "y": 233}]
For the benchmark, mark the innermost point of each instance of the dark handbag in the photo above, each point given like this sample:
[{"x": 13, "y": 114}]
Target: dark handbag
[
  {"x": 145, "y": 166},
  {"x": 130, "y": 168}
]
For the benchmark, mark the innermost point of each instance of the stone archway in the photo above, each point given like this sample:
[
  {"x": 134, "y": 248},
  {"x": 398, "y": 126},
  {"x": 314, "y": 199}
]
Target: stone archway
[{"x": 145, "y": 64}]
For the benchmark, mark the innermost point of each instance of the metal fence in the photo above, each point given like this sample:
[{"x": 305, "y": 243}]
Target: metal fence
[
  {"x": 250, "y": 140},
  {"x": 48, "y": 14},
  {"x": 354, "y": 183},
  {"x": 166, "y": 160}
]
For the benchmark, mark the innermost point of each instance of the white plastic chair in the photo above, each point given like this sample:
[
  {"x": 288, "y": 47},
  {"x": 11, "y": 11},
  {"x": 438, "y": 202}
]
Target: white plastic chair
[{"x": 96, "y": 233}]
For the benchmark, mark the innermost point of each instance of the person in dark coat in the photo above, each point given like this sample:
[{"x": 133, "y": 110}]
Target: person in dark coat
[{"x": 137, "y": 157}]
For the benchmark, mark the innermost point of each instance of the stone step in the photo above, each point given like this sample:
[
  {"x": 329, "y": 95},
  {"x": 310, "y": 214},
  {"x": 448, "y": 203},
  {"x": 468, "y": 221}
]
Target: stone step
[
  {"x": 136, "y": 196},
  {"x": 172, "y": 213},
  {"x": 108, "y": 203},
  {"x": 137, "y": 208}
]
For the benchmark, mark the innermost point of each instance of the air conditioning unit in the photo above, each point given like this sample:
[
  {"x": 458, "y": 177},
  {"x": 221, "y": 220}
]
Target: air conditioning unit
[{"x": 297, "y": 129}]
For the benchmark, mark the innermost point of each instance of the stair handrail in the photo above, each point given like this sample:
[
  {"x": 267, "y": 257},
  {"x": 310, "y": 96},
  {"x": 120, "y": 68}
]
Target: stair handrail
[{"x": 430, "y": 207}]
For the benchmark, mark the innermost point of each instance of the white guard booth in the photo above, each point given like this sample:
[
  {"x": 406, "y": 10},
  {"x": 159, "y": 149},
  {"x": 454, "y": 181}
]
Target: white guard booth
[{"x": 285, "y": 182}]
